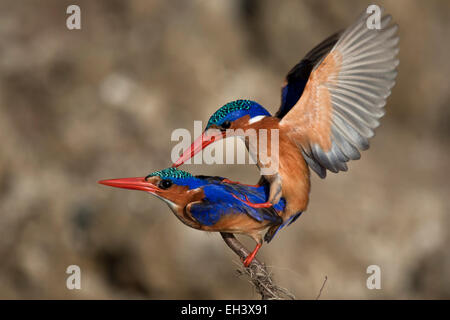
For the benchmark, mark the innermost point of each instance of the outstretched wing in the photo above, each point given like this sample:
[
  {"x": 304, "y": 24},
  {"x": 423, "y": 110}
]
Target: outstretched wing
[
  {"x": 344, "y": 97},
  {"x": 297, "y": 77}
]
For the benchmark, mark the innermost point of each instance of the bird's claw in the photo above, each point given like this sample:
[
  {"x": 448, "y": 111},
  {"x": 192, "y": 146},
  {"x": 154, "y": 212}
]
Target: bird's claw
[
  {"x": 242, "y": 184},
  {"x": 247, "y": 261},
  {"x": 254, "y": 205}
]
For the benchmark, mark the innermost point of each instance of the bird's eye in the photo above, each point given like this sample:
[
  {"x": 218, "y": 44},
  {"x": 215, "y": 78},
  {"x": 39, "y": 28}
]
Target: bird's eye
[
  {"x": 226, "y": 124},
  {"x": 165, "y": 184}
]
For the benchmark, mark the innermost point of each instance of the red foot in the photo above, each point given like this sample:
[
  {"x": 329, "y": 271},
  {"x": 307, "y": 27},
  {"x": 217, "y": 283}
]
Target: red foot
[
  {"x": 243, "y": 184},
  {"x": 254, "y": 205},
  {"x": 251, "y": 256}
]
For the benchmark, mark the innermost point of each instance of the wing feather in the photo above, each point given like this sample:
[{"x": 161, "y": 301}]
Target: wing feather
[
  {"x": 345, "y": 96},
  {"x": 219, "y": 201},
  {"x": 297, "y": 77}
]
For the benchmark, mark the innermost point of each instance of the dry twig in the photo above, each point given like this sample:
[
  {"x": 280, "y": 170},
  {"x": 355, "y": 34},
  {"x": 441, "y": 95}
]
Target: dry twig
[
  {"x": 257, "y": 272},
  {"x": 321, "y": 288}
]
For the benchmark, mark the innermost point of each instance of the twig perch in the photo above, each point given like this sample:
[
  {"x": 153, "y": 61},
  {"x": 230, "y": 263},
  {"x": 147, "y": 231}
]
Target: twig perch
[
  {"x": 321, "y": 288},
  {"x": 259, "y": 276}
]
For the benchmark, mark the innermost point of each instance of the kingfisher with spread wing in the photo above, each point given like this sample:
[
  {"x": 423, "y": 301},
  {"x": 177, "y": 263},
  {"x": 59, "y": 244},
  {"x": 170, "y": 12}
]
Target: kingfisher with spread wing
[
  {"x": 211, "y": 203},
  {"x": 331, "y": 103}
]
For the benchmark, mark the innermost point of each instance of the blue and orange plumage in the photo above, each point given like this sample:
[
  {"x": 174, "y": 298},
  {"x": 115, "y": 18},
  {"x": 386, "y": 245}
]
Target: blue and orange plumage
[
  {"x": 331, "y": 102},
  {"x": 211, "y": 203}
]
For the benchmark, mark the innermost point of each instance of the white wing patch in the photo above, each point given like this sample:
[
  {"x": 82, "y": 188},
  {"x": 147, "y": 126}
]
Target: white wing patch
[{"x": 255, "y": 119}]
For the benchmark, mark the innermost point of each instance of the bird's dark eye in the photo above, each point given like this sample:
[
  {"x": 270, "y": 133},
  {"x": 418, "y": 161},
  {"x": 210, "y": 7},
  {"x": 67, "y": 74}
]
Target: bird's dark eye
[
  {"x": 165, "y": 184},
  {"x": 226, "y": 124}
]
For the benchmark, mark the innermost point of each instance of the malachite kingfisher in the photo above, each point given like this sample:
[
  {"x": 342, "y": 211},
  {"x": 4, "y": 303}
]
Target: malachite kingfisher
[
  {"x": 331, "y": 102},
  {"x": 212, "y": 203}
]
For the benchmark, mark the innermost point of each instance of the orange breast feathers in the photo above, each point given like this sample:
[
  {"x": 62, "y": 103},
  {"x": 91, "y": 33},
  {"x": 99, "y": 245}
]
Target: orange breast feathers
[
  {"x": 291, "y": 166},
  {"x": 239, "y": 223}
]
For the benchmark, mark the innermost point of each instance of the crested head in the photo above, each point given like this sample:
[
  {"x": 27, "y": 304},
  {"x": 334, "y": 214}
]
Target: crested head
[
  {"x": 170, "y": 173},
  {"x": 236, "y": 109},
  {"x": 178, "y": 177}
]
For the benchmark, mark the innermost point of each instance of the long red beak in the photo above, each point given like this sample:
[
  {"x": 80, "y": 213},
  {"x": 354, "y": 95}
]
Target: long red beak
[
  {"x": 131, "y": 183},
  {"x": 199, "y": 144}
]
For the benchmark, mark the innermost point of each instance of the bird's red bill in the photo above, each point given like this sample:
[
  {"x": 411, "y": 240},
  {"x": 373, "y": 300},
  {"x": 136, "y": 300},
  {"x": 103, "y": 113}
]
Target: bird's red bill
[
  {"x": 198, "y": 145},
  {"x": 131, "y": 183}
]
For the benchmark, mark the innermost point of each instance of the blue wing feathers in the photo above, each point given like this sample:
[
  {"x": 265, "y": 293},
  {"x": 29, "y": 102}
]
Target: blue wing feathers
[{"x": 219, "y": 201}]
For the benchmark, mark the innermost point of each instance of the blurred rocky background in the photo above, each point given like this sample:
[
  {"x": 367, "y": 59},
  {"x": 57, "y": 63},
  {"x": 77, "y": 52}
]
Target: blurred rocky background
[{"x": 101, "y": 102}]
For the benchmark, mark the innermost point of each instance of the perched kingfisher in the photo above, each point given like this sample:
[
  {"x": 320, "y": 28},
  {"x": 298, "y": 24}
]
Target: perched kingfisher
[
  {"x": 331, "y": 102},
  {"x": 211, "y": 203}
]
